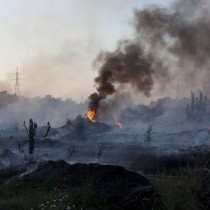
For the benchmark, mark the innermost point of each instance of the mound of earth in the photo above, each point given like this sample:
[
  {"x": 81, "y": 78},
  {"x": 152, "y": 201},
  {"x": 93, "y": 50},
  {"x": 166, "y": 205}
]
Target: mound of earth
[{"x": 121, "y": 189}]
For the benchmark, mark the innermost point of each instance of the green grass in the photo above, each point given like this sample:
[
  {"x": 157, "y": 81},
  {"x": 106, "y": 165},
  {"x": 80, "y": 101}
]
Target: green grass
[
  {"x": 17, "y": 195},
  {"x": 188, "y": 189},
  {"x": 14, "y": 196}
]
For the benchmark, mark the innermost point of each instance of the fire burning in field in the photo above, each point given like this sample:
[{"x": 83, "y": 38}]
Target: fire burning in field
[{"x": 91, "y": 114}]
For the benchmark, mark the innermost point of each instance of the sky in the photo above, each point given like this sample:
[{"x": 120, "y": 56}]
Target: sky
[{"x": 54, "y": 42}]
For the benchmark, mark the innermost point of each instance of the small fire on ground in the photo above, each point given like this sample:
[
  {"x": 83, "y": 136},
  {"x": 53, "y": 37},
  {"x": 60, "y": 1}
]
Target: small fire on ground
[
  {"x": 119, "y": 124},
  {"x": 91, "y": 114}
]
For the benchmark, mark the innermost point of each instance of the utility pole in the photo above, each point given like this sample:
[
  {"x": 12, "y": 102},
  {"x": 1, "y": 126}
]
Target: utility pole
[{"x": 17, "y": 84}]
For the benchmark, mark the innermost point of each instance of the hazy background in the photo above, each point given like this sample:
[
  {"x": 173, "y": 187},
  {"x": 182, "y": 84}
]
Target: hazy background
[{"x": 54, "y": 42}]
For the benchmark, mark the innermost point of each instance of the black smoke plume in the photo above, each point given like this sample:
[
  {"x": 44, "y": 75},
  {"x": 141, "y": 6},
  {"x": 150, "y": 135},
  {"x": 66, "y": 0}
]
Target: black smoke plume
[
  {"x": 170, "y": 44},
  {"x": 128, "y": 64}
]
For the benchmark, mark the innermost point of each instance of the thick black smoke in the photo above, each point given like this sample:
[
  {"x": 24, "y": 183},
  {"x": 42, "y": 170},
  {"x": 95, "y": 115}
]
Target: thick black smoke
[
  {"x": 128, "y": 64},
  {"x": 177, "y": 36}
]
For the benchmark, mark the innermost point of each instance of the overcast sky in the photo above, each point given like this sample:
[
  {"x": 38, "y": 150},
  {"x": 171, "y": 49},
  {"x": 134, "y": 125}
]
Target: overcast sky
[{"x": 54, "y": 42}]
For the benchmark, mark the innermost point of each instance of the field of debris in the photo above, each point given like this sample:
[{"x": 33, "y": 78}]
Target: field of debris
[
  {"x": 70, "y": 157},
  {"x": 88, "y": 142}
]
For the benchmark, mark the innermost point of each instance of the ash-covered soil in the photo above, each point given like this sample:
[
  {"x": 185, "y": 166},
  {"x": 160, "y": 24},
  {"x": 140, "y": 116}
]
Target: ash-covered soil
[
  {"x": 88, "y": 142},
  {"x": 108, "y": 164}
]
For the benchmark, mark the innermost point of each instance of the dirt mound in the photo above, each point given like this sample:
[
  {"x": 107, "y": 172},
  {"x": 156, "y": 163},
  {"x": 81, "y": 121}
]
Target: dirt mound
[{"x": 121, "y": 189}]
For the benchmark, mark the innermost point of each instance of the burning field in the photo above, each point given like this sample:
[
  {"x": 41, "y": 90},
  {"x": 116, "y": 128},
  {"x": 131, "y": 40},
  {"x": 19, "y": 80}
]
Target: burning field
[
  {"x": 149, "y": 114},
  {"x": 146, "y": 78},
  {"x": 96, "y": 153}
]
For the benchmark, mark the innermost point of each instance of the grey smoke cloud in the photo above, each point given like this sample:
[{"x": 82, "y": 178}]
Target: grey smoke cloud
[{"x": 185, "y": 24}]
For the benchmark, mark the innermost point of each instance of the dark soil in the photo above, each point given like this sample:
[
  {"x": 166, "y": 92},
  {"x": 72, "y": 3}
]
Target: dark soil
[{"x": 117, "y": 187}]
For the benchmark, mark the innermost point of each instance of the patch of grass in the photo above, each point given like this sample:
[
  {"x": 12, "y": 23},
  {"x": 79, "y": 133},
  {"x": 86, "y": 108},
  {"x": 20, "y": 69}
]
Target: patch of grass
[
  {"x": 187, "y": 189},
  {"x": 85, "y": 196},
  {"x": 15, "y": 194}
]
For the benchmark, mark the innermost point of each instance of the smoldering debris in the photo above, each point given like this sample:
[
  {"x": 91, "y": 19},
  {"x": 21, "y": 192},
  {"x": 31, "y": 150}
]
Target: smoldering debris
[{"x": 82, "y": 129}]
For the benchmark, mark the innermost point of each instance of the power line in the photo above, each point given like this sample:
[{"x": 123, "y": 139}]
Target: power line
[{"x": 17, "y": 83}]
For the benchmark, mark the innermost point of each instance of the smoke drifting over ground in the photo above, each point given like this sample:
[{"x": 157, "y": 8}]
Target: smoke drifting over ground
[
  {"x": 171, "y": 47},
  {"x": 14, "y": 110},
  {"x": 5, "y": 86}
]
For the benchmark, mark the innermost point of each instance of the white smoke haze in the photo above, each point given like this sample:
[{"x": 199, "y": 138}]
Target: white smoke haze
[
  {"x": 14, "y": 111},
  {"x": 4, "y": 85},
  {"x": 167, "y": 56},
  {"x": 33, "y": 34},
  {"x": 47, "y": 73}
]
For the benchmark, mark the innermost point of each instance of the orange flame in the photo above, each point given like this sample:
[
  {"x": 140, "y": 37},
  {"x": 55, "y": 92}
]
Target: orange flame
[
  {"x": 91, "y": 114},
  {"x": 119, "y": 124}
]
